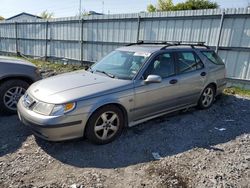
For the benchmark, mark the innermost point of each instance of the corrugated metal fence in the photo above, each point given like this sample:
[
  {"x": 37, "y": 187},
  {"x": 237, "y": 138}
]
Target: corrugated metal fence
[{"x": 92, "y": 37}]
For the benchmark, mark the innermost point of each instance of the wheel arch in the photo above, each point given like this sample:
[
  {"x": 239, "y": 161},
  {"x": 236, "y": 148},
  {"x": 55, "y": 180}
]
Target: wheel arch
[
  {"x": 16, "y": 77},
  {"x": 214, "y": 85}
]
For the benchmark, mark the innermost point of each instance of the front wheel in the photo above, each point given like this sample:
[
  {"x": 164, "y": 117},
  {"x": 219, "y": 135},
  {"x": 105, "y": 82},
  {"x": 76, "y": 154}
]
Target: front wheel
[
  {"x": 105, "y": 125},
  {"x": 10, "y": 93},
  {"x": 207, "y": 97}
]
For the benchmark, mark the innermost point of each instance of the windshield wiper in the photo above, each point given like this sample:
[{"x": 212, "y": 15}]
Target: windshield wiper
[{"x": 106, "y": 73}]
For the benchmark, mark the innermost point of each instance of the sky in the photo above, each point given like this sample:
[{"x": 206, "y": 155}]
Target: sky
[{"x": 65, "y": 8}]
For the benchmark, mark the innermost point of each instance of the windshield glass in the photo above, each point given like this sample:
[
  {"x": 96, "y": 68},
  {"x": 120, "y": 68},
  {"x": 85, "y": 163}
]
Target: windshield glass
[{"x": 121, "y": 64}]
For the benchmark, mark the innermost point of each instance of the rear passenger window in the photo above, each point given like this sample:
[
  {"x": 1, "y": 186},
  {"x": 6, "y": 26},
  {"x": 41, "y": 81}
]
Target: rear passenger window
[
  {"x": 213, "y": 57},
  {"x": 162, "y": 65},
  {"x": 188, "y": 62}
]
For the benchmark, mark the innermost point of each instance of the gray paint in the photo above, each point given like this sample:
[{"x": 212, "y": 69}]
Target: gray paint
[
  {"x": 11, "y": 67},
  {"x": 140, "y": 99},
  {"x": 68, "y": 38}
]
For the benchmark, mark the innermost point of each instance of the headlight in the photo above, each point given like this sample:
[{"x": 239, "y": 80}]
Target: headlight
[
  {"x": 43, "y": 108},
  {"x": 63, "y": 108}
]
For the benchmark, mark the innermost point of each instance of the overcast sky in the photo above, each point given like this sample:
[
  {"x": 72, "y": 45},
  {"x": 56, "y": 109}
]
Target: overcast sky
[{"x": 63, "y": 8}]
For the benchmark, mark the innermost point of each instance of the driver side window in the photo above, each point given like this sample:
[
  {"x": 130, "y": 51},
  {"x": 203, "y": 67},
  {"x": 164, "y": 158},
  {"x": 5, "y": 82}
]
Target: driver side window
[{"x": 162, "y": 65}]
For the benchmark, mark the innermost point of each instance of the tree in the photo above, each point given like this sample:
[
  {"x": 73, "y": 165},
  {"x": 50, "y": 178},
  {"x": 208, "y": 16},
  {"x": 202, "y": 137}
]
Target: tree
[
  {"x": 167, "y": 5},
  {"x": 196, "y": 4},
  {"x": 47, "y": 15},
  {"x": 151, "y": 8},
  {"x": 1, "y": 18}
]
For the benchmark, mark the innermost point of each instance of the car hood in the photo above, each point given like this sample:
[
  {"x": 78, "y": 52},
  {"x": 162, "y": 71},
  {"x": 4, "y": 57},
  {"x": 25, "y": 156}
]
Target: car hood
[
  {"x": 73, "y": 86},
  {"x": 13, "y": 60}
]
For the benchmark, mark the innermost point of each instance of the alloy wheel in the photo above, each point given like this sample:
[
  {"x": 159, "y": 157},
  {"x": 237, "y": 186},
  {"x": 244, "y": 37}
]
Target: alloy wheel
[
  {"x": 207, "y": 97},
  {"x": 106, "y": 125},
  {"x": 12, "y": 96}
]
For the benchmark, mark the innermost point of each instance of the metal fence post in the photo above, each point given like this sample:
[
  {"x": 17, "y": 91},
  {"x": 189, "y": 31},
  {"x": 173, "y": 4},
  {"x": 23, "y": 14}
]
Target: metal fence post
[
  {"x": 46, "y": 40},
  {"x": 0, "y": 40},
  {"x": 138, "y": 28},
  {"x": 220, "y": 31},
  {"x": 16, "y": 37},
  {"x": 81, "y": 53}
]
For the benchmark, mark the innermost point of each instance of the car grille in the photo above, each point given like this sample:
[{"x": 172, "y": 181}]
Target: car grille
[{"x": 28, "y": 101}]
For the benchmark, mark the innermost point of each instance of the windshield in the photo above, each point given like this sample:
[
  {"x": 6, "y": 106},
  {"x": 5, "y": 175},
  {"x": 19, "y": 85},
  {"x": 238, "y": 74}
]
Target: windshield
[{"x": 121, "y": 64}]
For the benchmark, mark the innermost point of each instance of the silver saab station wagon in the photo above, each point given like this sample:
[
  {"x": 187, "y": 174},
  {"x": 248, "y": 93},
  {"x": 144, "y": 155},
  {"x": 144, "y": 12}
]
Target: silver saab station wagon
[{"x": 131, "y": 85}]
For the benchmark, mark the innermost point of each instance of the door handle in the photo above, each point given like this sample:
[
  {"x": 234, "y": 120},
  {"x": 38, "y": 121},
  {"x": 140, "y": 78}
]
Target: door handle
[
  {"x": 174, "y": 81},
  {"x": 203, "y": 74}
]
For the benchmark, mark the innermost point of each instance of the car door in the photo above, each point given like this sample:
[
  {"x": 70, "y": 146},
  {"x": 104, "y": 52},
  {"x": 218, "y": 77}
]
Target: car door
[
  {"x": 153, "y": 98},
  {"x": 191, "y": 77}
]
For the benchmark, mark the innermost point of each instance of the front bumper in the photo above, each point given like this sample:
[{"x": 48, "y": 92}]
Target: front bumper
[{"x": 52, "y": 128}]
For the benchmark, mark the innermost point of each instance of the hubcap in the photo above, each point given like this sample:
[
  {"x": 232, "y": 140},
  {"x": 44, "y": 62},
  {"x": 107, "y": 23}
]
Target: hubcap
[
  {"x": 12, "y": 96},
  {"x": 107, "y": 125},
  {"x": 207, "y": 97}
]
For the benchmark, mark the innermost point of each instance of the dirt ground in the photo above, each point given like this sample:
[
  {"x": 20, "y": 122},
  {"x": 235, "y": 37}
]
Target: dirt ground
[{"x": 197, "y": 148}]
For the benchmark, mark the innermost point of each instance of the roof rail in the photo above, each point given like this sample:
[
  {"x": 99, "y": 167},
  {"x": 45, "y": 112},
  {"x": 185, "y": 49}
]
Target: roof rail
[
  {"x": 185, "y": 43},
  {"x": 147, "y": 42},
  {"x": 192, "y": 44}
]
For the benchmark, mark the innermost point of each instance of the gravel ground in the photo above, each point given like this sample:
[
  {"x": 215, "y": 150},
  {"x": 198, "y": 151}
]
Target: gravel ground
[{"x": 197, "y": 148}]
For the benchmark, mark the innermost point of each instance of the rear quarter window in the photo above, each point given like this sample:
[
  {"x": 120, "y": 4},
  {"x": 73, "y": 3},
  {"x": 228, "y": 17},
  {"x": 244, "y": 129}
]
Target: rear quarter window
[{"x": 213, "y": 57}]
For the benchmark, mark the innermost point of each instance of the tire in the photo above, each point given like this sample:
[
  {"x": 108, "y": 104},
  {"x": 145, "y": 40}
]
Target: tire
[
  {"x": 105, "y": 125},
  {"x": 10, "y": 93},
  {"x": 207, "y": 97}
]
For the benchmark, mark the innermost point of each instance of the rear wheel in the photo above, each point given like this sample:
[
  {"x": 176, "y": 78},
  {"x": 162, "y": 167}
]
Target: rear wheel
[
  {"x": 10, "y": 93},
  {"x": 105, "y": 125},
  {"x": 207, "y": 97}
]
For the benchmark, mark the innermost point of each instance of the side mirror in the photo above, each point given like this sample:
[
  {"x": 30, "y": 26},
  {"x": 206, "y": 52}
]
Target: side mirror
[{"x": 153, "y": 79}]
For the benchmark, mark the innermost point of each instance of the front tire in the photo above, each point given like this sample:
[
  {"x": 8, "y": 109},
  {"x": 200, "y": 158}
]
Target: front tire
[
  {"x": 207, "y": 98},
  {"x": 105, "y": 125},
  {"x": 10, "y": 93}
]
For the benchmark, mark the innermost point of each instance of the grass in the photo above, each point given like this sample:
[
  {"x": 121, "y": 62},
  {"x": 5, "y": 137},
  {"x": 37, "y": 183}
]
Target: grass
[
  {"x": 56, "y": 66},
  {"x": 237, "y": 90}
]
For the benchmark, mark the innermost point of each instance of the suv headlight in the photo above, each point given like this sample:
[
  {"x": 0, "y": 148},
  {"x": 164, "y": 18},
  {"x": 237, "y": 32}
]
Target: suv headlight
[{"x": 63, "y": 108}]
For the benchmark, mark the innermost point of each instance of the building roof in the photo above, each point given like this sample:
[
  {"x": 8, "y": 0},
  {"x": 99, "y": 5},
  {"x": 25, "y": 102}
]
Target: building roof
[
  {"x": 24, "y": 13},
  {"x": 94, "y": 13}
]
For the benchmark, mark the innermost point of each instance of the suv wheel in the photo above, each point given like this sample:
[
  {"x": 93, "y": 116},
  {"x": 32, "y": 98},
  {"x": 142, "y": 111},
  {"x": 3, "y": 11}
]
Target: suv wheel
[
  {"x": 207, "y": 97},
  {"x": 105, "y": 125},
  {"x": 10, "y": 93}
]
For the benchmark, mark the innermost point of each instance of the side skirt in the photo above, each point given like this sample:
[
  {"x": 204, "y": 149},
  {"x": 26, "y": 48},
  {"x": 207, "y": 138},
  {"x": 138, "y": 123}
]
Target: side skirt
[{"x": 133, "y": 123}]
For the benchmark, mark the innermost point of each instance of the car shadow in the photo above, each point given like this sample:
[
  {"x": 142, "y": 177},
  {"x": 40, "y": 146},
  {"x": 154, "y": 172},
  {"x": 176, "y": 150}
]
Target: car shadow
[
  {"x": 168, "y": 135},
  {"x": 12, "y": 134}
]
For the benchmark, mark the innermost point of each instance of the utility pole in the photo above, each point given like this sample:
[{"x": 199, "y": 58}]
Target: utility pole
[
  {"x": 80, "y": 8},
  {"x": 103, "y": 7},
  {"x": 81, "y": 31}
]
